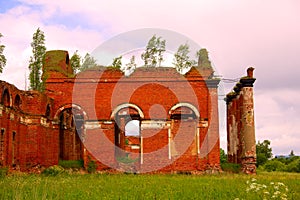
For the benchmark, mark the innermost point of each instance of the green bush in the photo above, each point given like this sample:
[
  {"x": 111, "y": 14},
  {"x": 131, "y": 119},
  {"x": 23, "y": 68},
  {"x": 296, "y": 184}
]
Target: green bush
[
  {"x": 3, "y": 172},
  {"x": 231, "y": 167},
  {"x": 92, "y": 166},
  {"x": 274, "y": 165},
  {"x": 71, "y": 164},
  {"x": 53, "y": 170},
  {"x": 293, "y": 166},
  {"x": 126, "y": 160},
  {"x": 261, "y": 159}
]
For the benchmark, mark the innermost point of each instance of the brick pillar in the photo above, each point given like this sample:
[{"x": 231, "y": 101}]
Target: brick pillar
[
  {"x": 248, "y": 157},
  {"x": 213, "y": 131},
  {"x": 232, "y": 131}
]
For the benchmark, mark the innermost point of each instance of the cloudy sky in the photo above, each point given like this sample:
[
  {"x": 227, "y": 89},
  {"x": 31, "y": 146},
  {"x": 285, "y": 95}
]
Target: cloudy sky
[{"x": 237, "y": 33}]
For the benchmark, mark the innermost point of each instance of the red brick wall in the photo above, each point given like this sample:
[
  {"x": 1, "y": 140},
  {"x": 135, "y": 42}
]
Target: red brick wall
[{"x": 97, "y": 93}]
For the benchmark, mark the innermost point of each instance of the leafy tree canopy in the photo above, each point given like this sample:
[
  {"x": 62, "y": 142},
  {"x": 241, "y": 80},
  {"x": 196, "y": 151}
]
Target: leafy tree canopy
[
  {"x": 88, "y": 62},
  {"x": 223, "y": 156},
  {"x": 263, "y": 152},
  {"x": 117, "y": 62},
  {"x": 75, "y": 61},
  {"x": 181, "y": 59},
  {"x": 2, "y": 57},
  {"x": 131, "y": 65},
  {"x": 36, "y": 60},
  {"x": 153, "y": 54}
]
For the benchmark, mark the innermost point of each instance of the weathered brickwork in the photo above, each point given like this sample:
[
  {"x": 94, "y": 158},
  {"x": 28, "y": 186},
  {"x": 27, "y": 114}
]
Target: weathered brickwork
[
  {"x": 240, "y": 124},
  {"x": 85, "y": 116}
]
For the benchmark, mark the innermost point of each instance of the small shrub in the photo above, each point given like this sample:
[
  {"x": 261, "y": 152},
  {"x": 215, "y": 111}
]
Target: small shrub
[
  {"x": 293, "y": 166},
  {"x": 126, "y": 159},
  {"x": 231, "y": 167},
  {"x": 53, "y": 170},
  {"x": 274, "y": 165},
  {"x": 71, "y": 164},
  {"x": 3, "y": 172},
  {"x": 261, "y": 159},
  {"x": 92, "y": 166}
]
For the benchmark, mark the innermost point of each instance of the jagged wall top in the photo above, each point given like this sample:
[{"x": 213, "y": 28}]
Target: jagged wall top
[{"x": 57, "y": 60}]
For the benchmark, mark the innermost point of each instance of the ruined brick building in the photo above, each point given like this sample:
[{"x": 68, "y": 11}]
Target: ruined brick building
[
  {"x": 87, "y": 116},
  {"x": 240, "y": 124}
]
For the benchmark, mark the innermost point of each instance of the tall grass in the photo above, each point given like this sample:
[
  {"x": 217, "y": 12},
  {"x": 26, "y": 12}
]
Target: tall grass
[{"x": 117, "y": 186}]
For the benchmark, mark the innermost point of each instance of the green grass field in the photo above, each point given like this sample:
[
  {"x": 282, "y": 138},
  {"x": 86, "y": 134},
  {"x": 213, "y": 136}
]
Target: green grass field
[{"x": 122, "y": 186}]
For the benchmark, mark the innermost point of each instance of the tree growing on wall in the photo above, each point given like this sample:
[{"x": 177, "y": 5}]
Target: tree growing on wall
[
  {"x": 79, "y": 64},
  {"x": 88, "y": 62},
  {"x": 153, "y": 54},
  {"x": 181, "y": 58},
  {"x": 2, "y": 57},
  {"x": 131, "y": 65},
  {"x": 263, "y": 152},
  {"x": 117, "y": 62},
  {"x": 75, "y": 61},
  {"x": 36, "y": 60}
]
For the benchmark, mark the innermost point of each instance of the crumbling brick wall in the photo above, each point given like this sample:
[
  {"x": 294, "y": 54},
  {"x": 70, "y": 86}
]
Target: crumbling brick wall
[
  {"x": 240, "y": 124},
  {"x": 178, "y": 117}
]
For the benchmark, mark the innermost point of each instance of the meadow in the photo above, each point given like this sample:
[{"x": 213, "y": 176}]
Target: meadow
[{"x": 158, "y": 186}]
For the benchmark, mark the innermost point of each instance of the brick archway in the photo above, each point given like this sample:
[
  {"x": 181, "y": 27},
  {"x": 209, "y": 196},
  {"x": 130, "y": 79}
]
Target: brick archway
[
  {"x": 127, "y": 147},
  {"x": 188, "y": 105},
  {"x": 68, "y": 106},
  {"x": 70, "y": 119},
  {"x": 127, "y": 105},
  {"x": 6, "y": 99}
]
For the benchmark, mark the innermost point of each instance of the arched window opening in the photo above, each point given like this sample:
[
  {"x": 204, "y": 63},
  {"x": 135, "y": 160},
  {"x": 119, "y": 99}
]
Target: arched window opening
[
  {"x": 17, "y": 102},
  {"x": 132, "y": 128},
  {"x": 6, "y": 98},
  {"x": 48, "y": 111},
  {"x": 71, "y": 127},
  {"x": 127, "y": 135},
  {"x": 79, "y": 121},
  {"x": 183, "y": 113},
  {"x": 67, "y": 59}
]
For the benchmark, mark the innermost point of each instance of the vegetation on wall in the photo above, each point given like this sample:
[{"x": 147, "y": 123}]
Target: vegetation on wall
[
  {"x": 117, "y": 62},
  {"x": 2, "y": 57},
  {"x": 203, "y": 61},
  {"x": 153, "y": 55},
  {"x": 79, "y": 64},
  {"x": 36, "y": 60},
  {"x": 181, "y": 58},
  {"x": 75, "y": 61},
  {"x": 131, "y": 65}
]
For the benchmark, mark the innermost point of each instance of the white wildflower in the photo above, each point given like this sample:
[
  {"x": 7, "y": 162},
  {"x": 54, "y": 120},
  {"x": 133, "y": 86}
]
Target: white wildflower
[
  {"x": 277, "y": 192},
  {"x": 281, "y": 184}
]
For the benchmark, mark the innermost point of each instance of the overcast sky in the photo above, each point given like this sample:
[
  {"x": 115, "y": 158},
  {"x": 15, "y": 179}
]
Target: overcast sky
[{"x": 237, "y": 33}]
